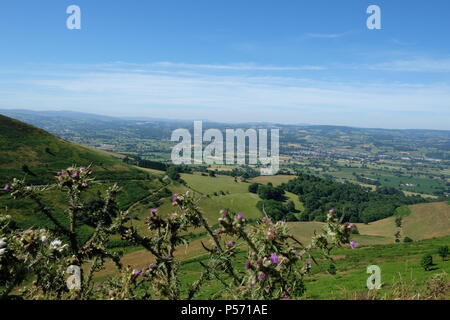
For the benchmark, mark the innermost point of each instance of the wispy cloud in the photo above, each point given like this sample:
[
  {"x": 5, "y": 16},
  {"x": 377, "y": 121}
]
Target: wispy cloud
[
  {"x": 232, "y": 97},
  {"x": 414, "y": 65},
  {"x": 220, "y": 67},
  {"x": 325, "y": 35}
]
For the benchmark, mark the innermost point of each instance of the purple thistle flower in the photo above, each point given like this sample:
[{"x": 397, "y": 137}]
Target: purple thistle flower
[
  {"x": 74, "y": 175},
  {"x": 59, "y": 173},
  {"x": 7, "y": 187},
  {"x": 308, "y": 262},
  {"x": 231, "y": 244},
  {"x": 174, "y": 198},
  {"x": 224, "y": 213},
  {"x": 137, "y": 272},
  {"x": 274, "y": 258},
  {"x": 262, "y": 276},
  {"x": 353, "y": 244},
  {"x": 153, "y": 210},
  {"x": 248, "y": 265},
  {"x": 240, "y": 216}
]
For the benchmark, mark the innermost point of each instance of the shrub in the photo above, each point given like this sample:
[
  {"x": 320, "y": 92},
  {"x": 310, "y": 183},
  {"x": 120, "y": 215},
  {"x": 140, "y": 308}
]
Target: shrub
[
  {"x": 427, "y": 262},
  {"x": 398, "y": 222},
  {"x": 332, "y": 269},
  {"x": 173, "y": 173},
  {"x": 443, "y": 252},
  {"x": 407, "y": 240},
  {"x": 253, "y": 188}
]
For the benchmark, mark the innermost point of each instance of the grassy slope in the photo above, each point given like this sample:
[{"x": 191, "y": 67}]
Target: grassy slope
[
  {"x": 44, "y": 154},
  {"x": 397, "y": 262},
  {"x": 376, "y": 241},
  {"x": 429, "y": 220},
  {"x": 209, "y": 185},
  {"x": 380, "y": 232},
  {"x": 236, "y": 198},
  {"x": 239, "y": 200}
]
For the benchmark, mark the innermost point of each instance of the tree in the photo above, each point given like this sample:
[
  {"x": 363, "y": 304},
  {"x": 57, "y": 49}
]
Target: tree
[
  {"x": 427, "y": 262},
  {"x": 407, "y": 240},
  {"x": 172, "y": 173},
  {"x": 271, "y": 193},
  {"x": 291, "y": 206},
  {"x": 443, "y": 252},
  {"x": 397, "y": 236},
  {"x": 398, "y": 222},
  {"x": 331, "y": 269},
  {"x": 253, "y": 188}
]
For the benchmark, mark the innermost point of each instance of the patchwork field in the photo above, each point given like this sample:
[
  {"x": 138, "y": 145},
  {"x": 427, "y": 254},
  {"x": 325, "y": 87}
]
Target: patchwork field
[{"x": 425, "y": 221}]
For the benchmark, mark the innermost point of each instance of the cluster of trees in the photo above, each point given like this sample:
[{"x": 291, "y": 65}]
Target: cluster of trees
[
  {"x": 267, "y": 192},
  {"x": 273, "y": 202},
  {"x": 173, "y": 172},
  {"x": 278, "y": 210},
  {"x": 149, "y": 164},
  {"x": 356, "y": 203}
]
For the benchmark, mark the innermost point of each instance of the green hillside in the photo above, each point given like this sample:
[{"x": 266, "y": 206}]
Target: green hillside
[
  {"x": 28, "y": 151},
  {"x": 426, "y": 221},
  {"x": 34, "y": 154}
]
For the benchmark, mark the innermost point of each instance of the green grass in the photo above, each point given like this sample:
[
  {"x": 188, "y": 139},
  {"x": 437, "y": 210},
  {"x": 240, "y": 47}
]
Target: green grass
[
  {"x": 293, "y": 197},
  {"x": 209, "y": 185},
  {"x": 397, "y": 261},
  {"x": 44, "y": 155},
  {"x": 275, "y": 180},
  {"x": 402, "y": 212},
  {"x": 239, "y": 202}
]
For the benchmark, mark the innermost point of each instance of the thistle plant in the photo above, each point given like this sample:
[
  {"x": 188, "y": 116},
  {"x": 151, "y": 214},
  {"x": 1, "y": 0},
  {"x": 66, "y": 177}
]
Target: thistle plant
[
  {"x": 276, "y": 260},
  {"x": 274, "y": 268},
  {"x": 48, "y": 261},
  {"x": 164, "y": 235}
]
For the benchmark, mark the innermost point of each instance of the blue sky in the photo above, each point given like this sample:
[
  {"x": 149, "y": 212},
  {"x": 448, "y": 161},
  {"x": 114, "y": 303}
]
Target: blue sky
[{"x": 282, "y": 61}]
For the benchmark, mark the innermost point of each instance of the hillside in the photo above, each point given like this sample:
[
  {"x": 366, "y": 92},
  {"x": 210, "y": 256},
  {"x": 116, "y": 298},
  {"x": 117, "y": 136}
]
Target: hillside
[
  {"x": 30, "y": 151},
  {"x": 426, "y": 221}
]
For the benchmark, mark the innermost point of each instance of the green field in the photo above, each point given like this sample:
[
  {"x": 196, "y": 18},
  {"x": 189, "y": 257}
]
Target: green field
[
  {"x": 209, "y": 185},
  {"x": 397, "y": 262}
]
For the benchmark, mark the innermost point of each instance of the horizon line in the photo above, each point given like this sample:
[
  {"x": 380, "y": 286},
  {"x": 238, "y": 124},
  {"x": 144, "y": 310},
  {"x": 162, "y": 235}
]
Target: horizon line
[{"x": 147, "y": 118}]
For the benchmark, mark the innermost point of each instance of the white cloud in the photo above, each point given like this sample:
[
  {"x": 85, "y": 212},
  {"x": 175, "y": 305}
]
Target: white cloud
[
  {"x": 167, "y": 91},
  {"x": 414, "y": 65},
  {"x": 325, "y": 35},
  {"x": 216, "y": 67}
]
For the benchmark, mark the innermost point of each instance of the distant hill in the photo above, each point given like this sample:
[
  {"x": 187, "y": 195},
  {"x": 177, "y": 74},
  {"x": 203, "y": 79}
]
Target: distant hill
[{"x": 29, "y": 151}]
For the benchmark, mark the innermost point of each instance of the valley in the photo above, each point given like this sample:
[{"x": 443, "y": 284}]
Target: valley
[{"x": 425, "y": 213}]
